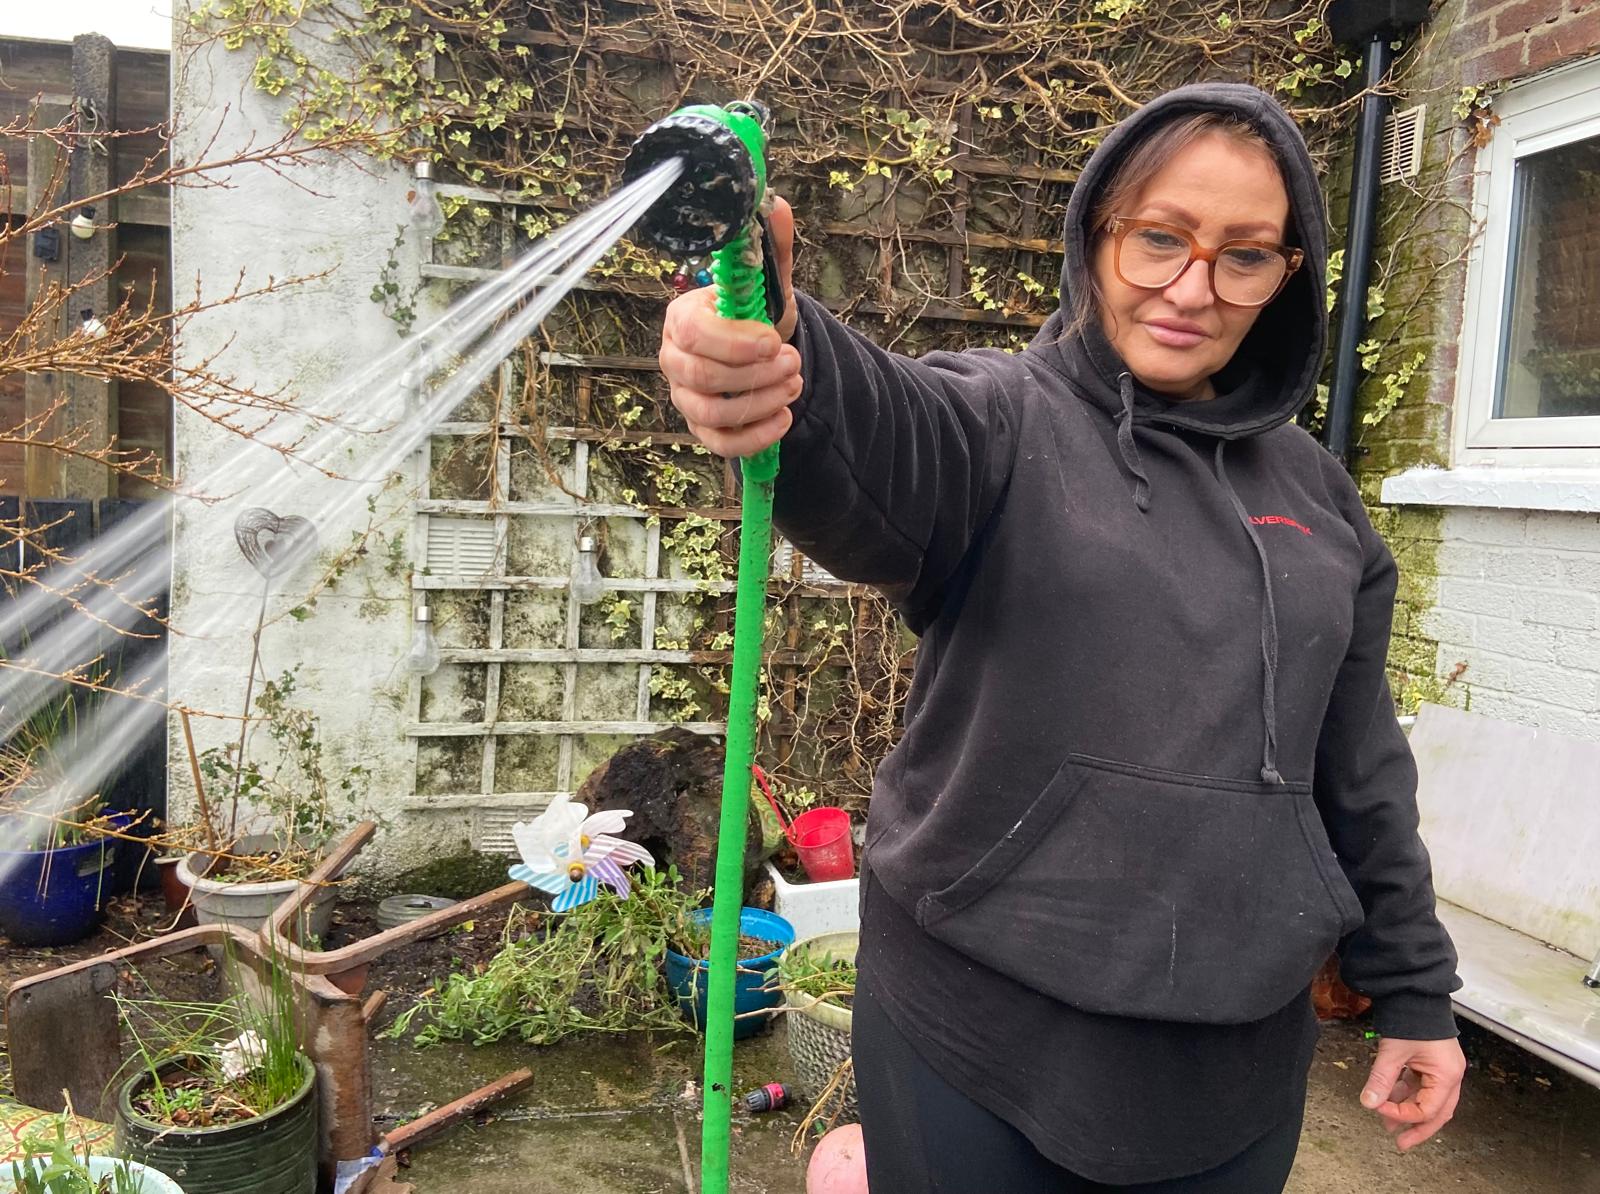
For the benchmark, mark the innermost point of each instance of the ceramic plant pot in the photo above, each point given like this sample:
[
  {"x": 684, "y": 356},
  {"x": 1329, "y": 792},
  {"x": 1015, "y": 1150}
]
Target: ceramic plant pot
[
  {"x": 819, "y": 1031},
  {"x": 249, "y": 904},
  {"x": 56, "y": 896},
  {"x": 274, "y": 1153},
  {"x": 812, "y": 908}
]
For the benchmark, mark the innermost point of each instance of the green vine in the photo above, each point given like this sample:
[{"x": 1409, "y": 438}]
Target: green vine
[
  {"x": 891, "y": 121},
  {"x": 399, "y": 302}
]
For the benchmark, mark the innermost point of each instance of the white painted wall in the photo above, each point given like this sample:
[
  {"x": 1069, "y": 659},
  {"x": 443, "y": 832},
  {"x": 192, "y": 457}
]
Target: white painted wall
[
  {"x": 1519, "y": 604},
  {"x": 337, "y": 218}
]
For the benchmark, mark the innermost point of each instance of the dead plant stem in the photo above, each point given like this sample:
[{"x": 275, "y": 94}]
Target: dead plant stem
[{"x": 249, "y": 694}]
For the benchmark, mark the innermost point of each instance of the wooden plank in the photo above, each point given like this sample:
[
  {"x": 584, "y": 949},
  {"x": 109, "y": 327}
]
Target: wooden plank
[
  {"x": 46, "y": 175},
  {"x": 591, "y": 435},
  {"x": 485, "y": 655},
  {"x": 571, "y": 509},
  {"x": 149, "y": 207},
  {"x": 426, "y": 1127},
  {"x": 64, "y": 1035},
  {"x": 144, "y": 409},
  {"x": 13, "y": 297},
  {"x": 31, "y": 72},
  {"x": 925, "y": 310},
  {"x": 956, "y": 277},
  {"x": 490, "y": 583},
  {"x": 1031, "y": 199},
  {"x": 647, "y": 585},
  {"x": 472, "y": 729},
  {"x": 29, "y": 65},
  {"x": 91, "y": 404},
  {"x": 571, "y": 360},
  {"x": 141, "y": 111}
]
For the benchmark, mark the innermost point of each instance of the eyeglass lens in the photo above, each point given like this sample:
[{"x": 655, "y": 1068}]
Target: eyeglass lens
[{"x": 1154, "y": 258}]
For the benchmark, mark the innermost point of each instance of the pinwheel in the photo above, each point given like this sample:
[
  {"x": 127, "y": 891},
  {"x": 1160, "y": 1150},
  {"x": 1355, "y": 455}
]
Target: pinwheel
[{"x": 570, "y": 854}]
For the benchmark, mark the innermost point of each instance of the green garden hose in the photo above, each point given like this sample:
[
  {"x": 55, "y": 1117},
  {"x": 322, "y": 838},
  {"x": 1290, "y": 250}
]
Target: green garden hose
[{"x": 715, "y": 206}]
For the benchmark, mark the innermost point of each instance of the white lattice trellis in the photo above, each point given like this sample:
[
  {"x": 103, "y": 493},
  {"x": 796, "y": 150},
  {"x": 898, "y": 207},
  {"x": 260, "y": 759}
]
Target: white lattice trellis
[{"x": 464, "y": 550}]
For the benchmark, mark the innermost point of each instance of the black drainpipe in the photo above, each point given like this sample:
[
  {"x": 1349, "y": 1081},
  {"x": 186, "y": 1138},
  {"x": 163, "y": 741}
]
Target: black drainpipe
[{"x": 1374, "y": 24}]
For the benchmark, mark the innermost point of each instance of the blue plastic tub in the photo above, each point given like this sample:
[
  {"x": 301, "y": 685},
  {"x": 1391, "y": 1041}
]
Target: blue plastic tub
[
  {"x": 56, "y": 897},
  {"x": 688, "y": 978}
]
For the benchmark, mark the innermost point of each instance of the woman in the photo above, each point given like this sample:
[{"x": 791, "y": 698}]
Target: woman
[{"x": 1151, "y": 775}]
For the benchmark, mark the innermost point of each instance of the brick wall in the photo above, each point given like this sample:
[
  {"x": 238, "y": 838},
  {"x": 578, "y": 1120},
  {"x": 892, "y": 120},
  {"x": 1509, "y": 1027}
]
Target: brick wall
[
  {"x": 1503, "y": 605},
  {"x": 1512, "y": 38},
  {"x": 1519, "y": 605},
  {"x": 1518, "y": 596}
]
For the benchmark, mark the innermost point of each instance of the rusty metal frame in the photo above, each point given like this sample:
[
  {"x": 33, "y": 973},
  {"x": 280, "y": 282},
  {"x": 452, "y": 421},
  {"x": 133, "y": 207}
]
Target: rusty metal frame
[{"x": 66, "y": 1039}]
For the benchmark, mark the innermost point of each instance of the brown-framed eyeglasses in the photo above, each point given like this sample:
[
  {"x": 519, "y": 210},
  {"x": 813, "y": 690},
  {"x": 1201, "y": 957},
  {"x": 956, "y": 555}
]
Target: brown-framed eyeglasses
[{"x": 1151, "y": 255}]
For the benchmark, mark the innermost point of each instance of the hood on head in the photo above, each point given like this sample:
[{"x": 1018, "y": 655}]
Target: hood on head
[{"x": 1275, "y": 370}]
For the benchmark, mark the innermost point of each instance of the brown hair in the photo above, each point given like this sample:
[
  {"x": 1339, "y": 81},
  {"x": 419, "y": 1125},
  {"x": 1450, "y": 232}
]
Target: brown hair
[{"x": 1143, "y": 162}]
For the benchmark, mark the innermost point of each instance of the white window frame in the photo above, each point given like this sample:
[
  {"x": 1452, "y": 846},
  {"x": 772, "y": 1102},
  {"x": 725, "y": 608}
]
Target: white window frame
[{"x": 1539, "y": 115}]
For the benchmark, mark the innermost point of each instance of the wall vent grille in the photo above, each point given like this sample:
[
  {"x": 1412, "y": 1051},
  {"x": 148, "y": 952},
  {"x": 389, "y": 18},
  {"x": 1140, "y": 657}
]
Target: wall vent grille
[
  {"x": 460, "y": 546},
  {"x": 1402, "y": 145},
  {"x": 811, "y": 572}
]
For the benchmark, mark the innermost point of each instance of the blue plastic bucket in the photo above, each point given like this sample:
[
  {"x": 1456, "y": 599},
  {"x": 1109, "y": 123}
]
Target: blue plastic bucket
[
  {"x": 688, "y": 978},
  {"x": 56, "y": 897}
]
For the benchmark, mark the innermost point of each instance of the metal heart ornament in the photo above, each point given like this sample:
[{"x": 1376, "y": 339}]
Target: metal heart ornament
[{"x": 273, "y": 543}]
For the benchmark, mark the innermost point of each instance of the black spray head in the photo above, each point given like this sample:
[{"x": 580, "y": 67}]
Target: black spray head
[{"x": 723, "y": 179}]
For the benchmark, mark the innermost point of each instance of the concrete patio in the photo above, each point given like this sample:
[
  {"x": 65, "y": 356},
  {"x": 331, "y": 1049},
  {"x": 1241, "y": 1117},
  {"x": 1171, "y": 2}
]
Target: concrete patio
[{"x": 604, "y": 1116}]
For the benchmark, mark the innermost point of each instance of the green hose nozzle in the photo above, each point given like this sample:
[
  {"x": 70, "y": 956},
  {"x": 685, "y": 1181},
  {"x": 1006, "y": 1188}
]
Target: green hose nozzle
[{"x": 715, "y": 207}]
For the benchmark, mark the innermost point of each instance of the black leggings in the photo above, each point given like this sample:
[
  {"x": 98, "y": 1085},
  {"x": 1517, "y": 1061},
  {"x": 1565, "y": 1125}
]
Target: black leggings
[{"x": 923, "y": 1136}]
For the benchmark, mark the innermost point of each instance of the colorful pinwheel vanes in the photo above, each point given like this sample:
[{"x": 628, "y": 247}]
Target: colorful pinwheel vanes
[{"x": 570, "y": 854}]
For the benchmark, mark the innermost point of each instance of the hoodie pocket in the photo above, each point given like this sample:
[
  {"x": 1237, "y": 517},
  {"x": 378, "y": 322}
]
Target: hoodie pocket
[{"x": 1138, "y": 891}]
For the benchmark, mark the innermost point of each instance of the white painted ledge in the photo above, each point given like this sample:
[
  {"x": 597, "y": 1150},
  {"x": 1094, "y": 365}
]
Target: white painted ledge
[
  {"x": 1575, "y": 489},
  {"x": 1529, "y": 992}
]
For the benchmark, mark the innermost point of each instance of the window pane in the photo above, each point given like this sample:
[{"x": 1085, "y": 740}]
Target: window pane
[{"x": 1550, "y": 364}]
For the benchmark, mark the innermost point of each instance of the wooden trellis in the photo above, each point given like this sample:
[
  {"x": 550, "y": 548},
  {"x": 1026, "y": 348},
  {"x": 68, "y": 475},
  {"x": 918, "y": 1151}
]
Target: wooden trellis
[
  {"x": 483, "y": 739},
  {"x": 918, "y": 143}
]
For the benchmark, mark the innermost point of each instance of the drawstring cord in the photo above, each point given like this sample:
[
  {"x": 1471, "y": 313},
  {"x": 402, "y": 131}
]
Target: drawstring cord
[
  {"x": 1269, "y": 631},
  {"x": 1128, "y": 449}
]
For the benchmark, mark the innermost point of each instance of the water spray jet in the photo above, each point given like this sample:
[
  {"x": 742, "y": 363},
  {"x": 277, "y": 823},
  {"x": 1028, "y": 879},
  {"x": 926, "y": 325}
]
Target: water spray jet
[{"x": 111, "y": 584}]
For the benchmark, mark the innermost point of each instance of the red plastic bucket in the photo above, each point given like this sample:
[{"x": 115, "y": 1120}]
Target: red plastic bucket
[{"x": 821, "y": 837}]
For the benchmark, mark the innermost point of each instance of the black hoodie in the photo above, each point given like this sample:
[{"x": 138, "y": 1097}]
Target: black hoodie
[{"x": 1151, "y": 765}]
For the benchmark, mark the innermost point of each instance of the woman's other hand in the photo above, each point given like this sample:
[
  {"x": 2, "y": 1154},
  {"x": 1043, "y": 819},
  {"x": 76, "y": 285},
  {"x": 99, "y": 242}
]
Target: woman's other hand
[
  {"x": 733, "y": 380},
  {"x": 1414, "y": 1087}
]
